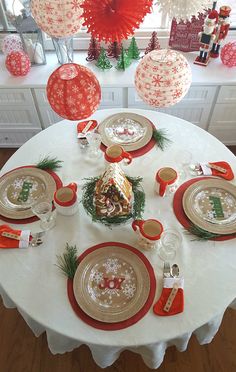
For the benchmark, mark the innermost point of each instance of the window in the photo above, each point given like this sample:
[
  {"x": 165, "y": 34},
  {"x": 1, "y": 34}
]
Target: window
[{"x": 153, "y": 21}]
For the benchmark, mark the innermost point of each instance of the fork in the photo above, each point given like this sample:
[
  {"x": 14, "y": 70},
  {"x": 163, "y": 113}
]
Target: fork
[{"x": 166, "y": 270}]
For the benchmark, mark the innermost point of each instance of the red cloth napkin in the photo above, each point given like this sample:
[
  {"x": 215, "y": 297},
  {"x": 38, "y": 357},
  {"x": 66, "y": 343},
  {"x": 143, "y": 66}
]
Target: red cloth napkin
[
  {"x": 83, "y": 124},
  {"x": 229, "y": 175},
  {"x": 178, "y": 302},
  {"x": 6, "y": 243}
]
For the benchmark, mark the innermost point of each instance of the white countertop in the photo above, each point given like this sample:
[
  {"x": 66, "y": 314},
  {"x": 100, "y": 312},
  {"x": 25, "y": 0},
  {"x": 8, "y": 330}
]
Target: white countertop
[{"x": 214, "y": 74}]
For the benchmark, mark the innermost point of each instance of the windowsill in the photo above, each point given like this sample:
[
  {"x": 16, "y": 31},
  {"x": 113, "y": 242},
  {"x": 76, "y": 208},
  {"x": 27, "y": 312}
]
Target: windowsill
[{"x": 214, "y": 74}]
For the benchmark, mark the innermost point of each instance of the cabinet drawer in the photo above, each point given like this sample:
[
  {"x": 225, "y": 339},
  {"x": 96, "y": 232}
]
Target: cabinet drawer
[
  {"x": 16, "y": 138},
  {"x": 196, "y": 94},
  {"x": 48, "y": 116},
  {"x": 16, "y": 97},
  {"x": 19, "y": 116},
  {"x": 227, "y": 94},
  {"x": 111, "y": 97}
]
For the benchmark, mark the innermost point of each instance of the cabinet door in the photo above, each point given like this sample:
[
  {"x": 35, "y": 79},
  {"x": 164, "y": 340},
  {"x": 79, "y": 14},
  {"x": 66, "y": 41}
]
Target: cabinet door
[
  {"x": 196, "y": 95},
  {"x": 16, "y": 138},
  {"x": 196, "y": 114},
  {"x": 227, "y": 94},
  {"x": 223, "y": 123},
  {"x": 111, "y": 97}
]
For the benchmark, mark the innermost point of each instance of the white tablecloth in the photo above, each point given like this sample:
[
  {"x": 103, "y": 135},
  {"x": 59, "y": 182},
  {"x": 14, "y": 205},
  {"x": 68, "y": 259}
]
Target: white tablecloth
[{"x": 30, "y": 280}]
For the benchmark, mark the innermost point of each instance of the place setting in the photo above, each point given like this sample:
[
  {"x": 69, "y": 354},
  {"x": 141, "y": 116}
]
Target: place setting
[{"x": 135, "y": 133}]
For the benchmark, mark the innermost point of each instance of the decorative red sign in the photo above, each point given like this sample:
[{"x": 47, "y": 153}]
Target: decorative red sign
[{"x": 184, "y": 35}]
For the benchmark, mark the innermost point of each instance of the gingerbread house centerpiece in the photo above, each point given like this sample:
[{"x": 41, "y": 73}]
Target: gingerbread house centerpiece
[{"x": 113, "y": 193}]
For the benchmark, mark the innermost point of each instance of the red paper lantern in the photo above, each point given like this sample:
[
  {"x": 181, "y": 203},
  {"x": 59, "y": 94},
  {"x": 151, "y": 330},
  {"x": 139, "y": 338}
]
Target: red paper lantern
[
  {"x": 73, "y": 91},
  {"x": 18, "y": 63},
  {"x": 114, "y": 20},
  {"x": 228, "y": 54}
]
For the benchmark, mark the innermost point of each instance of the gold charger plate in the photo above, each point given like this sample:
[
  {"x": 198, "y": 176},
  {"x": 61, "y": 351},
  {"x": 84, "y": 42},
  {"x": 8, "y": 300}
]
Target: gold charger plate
[
  {"x": 40, "y": 184},
  {"x": 131, "y": 131},
  {"x": 111, "y": 284},
  {"x": 211, "y": 205}
]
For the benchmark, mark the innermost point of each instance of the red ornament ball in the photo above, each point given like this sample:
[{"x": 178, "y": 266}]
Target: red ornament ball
[
  {"x": 18, "y": 63},
  {"x": 228, "y": 54},
  {"x": 73, "y": 91},
  {"x": 114, "y": 20}
]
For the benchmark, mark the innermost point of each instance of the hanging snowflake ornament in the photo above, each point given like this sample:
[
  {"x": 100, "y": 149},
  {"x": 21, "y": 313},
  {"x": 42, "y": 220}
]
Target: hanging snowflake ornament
[
  {"x": 183, "y": 9},
  {"x": 114, "y": 20}
]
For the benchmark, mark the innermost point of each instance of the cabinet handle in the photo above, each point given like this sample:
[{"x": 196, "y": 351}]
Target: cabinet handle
[{"x": 6, "y": 138}]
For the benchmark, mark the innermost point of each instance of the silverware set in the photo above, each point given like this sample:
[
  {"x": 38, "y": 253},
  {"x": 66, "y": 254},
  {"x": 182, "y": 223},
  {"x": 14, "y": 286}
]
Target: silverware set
[
  {"x": 170, "y": 272},
  {"x": 196, "y": 169},
  {"x": 34, "y": 242}
]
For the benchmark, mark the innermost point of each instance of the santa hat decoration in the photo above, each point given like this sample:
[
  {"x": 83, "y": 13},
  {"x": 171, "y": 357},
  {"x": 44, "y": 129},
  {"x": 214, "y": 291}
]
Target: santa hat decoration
[{"x": 212, "y": 17}]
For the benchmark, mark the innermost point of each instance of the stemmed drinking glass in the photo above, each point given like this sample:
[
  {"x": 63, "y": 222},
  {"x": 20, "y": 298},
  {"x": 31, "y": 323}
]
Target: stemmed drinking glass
[{"x": 43, "y": 210}]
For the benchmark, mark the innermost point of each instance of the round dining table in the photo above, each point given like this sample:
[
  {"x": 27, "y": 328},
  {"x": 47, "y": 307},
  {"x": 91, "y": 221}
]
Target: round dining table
[{"x": 31, "y": 281}]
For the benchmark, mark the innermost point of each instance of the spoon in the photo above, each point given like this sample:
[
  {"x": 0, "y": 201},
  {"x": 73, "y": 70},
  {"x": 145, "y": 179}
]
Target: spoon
[{"x": 174, "y": 271}]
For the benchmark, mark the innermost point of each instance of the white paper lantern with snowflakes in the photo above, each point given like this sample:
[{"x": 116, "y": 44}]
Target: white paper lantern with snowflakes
[
  {"x": 163, "y": 77},
  {"x": 183, "y": 9},
  {"x": 58, "y": 18},
  {"x": 12, "y": 43}
]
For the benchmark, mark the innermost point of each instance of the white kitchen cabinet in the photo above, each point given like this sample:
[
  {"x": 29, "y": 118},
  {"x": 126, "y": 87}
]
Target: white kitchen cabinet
[
  {"x": 15, "y": 138},
  {"x": 19, "y": 120},
  {"x": 111, "y": 97},
  {"x": 195, "y": 106},
  {"x": 223, "y": 120}
]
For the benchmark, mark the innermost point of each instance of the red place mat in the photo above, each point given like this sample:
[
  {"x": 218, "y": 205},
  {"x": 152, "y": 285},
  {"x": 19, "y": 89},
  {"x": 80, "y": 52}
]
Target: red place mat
[
  {"x": 34, "y": 218},
  {"x": 128, "y": 322},
  {"x": 139, "y": 152},
  {"x": 179, "y": 211}
]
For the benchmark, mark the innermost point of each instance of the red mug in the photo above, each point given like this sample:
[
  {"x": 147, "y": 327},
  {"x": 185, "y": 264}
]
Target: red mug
[
  {"x": 116, "y": 153},
  {"x": 65, "y": 199},
  {"x": 149, "y": 232},
  {"x": 164, "y": 178}
]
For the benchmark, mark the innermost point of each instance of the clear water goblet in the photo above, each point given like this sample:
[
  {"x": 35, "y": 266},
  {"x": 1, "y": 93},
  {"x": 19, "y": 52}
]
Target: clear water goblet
[{"x": 43, "y": 210}]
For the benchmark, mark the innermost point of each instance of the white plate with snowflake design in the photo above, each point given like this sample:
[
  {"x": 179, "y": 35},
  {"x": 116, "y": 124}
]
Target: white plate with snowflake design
[
  {"x": 211, "y": 205},
  {"x": 131, "y": 131},
  {"x": 111, "y": 284},
  {"x": 21, "y": 188}
]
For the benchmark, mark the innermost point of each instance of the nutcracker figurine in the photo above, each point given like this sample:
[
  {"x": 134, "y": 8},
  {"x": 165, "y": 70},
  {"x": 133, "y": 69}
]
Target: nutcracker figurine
[
  {"x": 206, "y": 38},
  {"x": 222, "y": 29}
]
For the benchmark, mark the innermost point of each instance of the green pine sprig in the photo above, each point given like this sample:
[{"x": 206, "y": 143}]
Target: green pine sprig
[
  {"x": 138, "y": 205},
  {"x": 160, "y": 136},
  {"x": 67, "y": 262},
  {"x": 49, "y": 163},
  {"x": 202, "y": 234}
]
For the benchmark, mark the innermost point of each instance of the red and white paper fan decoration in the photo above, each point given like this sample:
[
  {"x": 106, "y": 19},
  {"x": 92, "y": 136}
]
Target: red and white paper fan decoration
[
  {"x": 162, "y": 78},
  {"x": 57, "y": 18},
  {"x": 228, "y": 54},
  {"x": 12, "y": 43},
  {"x": 73, "y": 91},
  {"x": 18, "y": 63},
  {"x": 114, "y": 20}
]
